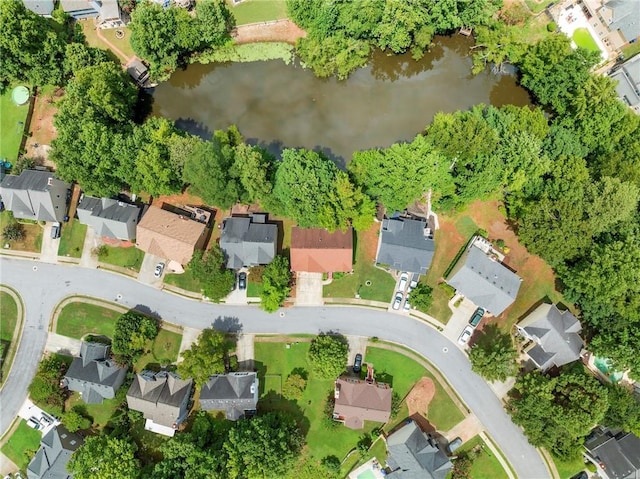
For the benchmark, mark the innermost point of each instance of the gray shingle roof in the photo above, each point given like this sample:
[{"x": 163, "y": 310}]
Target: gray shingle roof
[
  {"x": 246, "y": 243},
  {"x": 161, "y": 397},
  {"x": 56, "y": 448},
  {"x": 619, "y": 453},
  {"x": 484, "y": 281},
  {"x": 415, "y": 455},
  {"x": 626, "y": 17},
  {"x": 35, "y": 195},
  {"x": 404, "y": 246},
  {"x": 233, "y": 393},
  {"x": 628, "y": 78},
  {"x": 108, "y": 217},
  {"x": 40, "y": 7}
]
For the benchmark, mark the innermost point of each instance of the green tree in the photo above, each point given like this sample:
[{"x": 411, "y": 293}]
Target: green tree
[
  {"x": 105, "y": 457},
  {"x": 266, "y": 446},
  {"x": 45, "y": 388},
  {"x": 624, "y": 409},
  {"x": 294, "y": 386},
  {"x": 421, "y": 297},
  {"x": 328, "y": 355},
  {"x": 209, "y": 269},
  {"x": 255, "y": 169},
  {"x": 216, "y": 21},
  {"x": 74, "y": 420},
  {"x": 275, "y": 284},
  {"x": 205, "y": 358},
  {"x": 14, "y": 231},
  {"x": 78, "y": 56},
  {"x": 493, "y": 355},
  {"x": 131, "y": 334}
]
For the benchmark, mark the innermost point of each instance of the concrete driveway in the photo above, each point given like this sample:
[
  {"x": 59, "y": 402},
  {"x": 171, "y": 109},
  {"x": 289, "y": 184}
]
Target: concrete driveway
[
  {"x": 148, "y": 268},
  {"x": 91, "y": 241},
  {"x": 238, "y": 296},
  {"x": 460, "y": 318},
  {"x": 309, "y": 289},
  {"x": 357, "y": 344},
  {"x": 49, "y": 250}
]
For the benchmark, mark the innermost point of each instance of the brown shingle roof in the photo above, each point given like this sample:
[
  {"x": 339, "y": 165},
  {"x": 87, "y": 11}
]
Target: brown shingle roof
[
  {"x": 168, "y": 235},
  {"x": 315, "y": 250},
  {"x": 358, "y": 401}
]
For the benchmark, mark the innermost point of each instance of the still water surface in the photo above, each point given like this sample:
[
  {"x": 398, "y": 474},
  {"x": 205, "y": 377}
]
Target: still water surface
[{"x": 278, "y": 105}]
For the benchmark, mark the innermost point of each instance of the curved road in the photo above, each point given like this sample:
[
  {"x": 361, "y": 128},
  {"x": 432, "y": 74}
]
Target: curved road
[{"x": 43, "y": 285}]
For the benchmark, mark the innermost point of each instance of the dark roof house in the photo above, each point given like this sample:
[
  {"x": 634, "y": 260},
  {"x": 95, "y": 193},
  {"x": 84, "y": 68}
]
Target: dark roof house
[
  {"x": 622, "y": 16},
  {"x": 316, "y": 250},
  {"x": 628, "y": 82},
  {"x": 110, "y": 218},
  {"x": 138, "y": 71},
  {"x": 162, "y": 398},
  {"x": 484, "y": 280},
  {"x": 615, "y": 455},
  {"x": 415, "y": 455},
  {"x": 359, "y": 400},
  {"x": 248, "y": 241},
  {"x": 40, "y": 7},
  {"x": 555, "y": 337},
  {"x": 234, "y": 393},
  {"x": 406, "y": 245},
  {"x": 56, "y": 448},
  {"x": 35, "y": 195},
  {"x": 94, "y": 374}
]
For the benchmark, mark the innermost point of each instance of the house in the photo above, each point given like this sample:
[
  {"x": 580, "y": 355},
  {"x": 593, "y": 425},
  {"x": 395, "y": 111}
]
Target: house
[
  {"x": 56, "y": 448},
  {"x": 248, "y": 241},
  {"x": 234, "y": 393},
  {"x": 35, "y": 195},
  {"x": 628, "y": 82},
  {"x": 622, "y": 18},
  {"x": 106, "y": 13},
  {"x": 43, "y": 8},
  {"x": 94, "y": 374},
  {"x": 406, "y": 244},
  {"x": 415, "y": 455},
  {"x": 138, "y": 71},
  {"x": 316, "y": 250},
  {"x": 162, "y": 398},
  {"x": 110, "y": 218},
  {"x": 554, "y": 336},
  {"x": 357, "y": 401},
  {"x": 616, "y": 455},
  {"x": 169, "y": 235},
  {"x": 481, "y": 277}
]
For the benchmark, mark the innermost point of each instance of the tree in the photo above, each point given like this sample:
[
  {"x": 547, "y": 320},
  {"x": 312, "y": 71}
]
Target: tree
[
  {"x": 264, "y": 447},
  {"x": 328, "y": 355},
  {"x": 421, "y": 297},
  {"x": 131, "y": 334},
  {"x": 294, "y": 386},
  {"x": 78, "y": 56},
  {"x": 255, "y": 169},
  {"x": 493, "y": 355},
  {"x": 14, "y": 232},
  {"x": 209, "y": 269},
  {"x": 45, "y": 388},
  {"x": 462, "y": 467},
  {"x": 275, "y": 284},
  {"x": 104, "y": 457},
  {"x": 205, "y": 358},
  {"x": 216, "y": 21},
  {"x": 74, "y": 420},
  {"x": 624, "y": 409}
]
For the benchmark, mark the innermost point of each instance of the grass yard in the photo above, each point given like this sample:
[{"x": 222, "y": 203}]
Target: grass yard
[
  {"x": 99, "y": 413},
  {"x": 583, "y": 39},
  {"x": 486, "y": 465},
  {"x": 536, "y": 6},
  {"x": 72, "y": 239},
  {"x": 92, "y": 39},
  {"x": 12, "y": 127},
  {"x": 8, "y": 316},
  {"x": 163, "y": 350},
  {"x": 22, "y": 445},
  {"x": 568, "y": 468},
  {"x": 253, "y": 289},
  {"x": 123, "y": 44},
  {"x": 402, "y": 373},
  {"x": 382, "y": 283},
  {"x": 129, "y": 258},
  {"x": 184, "y": 281},
  {"x": 77, "y": 319},
  {"x": 33, "y": 239},
  {"x": 253, "y": 11},
  {"x": 631, "y": 50}
]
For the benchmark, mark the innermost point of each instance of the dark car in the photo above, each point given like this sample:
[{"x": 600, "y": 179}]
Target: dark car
[
  {"x": 55, "y": 230},
  {"x": 477, "y": 317},
  {"x": 357, "y": 364},
  {"x": 242, "y": 281}
]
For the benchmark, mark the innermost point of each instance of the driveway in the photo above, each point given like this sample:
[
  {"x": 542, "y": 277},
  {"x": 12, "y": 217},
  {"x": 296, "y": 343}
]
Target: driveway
[
  {"x": 49, "y": 249},
  {"x": 44, "y": 287},
  {"x": 57, "y": 343},
  {"x": 148, "y": 268},
  {"x": 238, "y": 296},
  {"x": 91, "y": 240},
  {"x": 357, "y": 344},
  {"x": 309, "y": 289},
  {"x": 459, "y": 319}
]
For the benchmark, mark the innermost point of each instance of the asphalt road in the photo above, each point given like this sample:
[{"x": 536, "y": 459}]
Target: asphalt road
[{"x": 43, "y": 285}]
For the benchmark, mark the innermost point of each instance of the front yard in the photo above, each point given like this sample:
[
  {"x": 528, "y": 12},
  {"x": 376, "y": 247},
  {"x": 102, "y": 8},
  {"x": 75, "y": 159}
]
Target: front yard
[
  {"x": 33, "y": 234},
  {"x": 162, "y": 350},
  {"x": 22, "y": 445},
  {"x": 184, "y": 281},
  {"x": 79, "y": 318},
  {"x": 129, "y": 258},
  {"x": 72, "y": 239},
  {"x": 485, "y": 464}
]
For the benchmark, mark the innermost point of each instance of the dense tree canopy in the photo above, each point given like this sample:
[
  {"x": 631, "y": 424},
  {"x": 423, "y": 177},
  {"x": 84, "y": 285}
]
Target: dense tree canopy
[
  {"x": 104, "y": 457},
  {"x": 205, "y": 357},
  {"x": 328, "y": 355},
  {"x": 493, "y": 355},
  {"x": 131, "y": 334},
  {"x": 276, "y": 279},
  {"x": 210, "y": 270}
]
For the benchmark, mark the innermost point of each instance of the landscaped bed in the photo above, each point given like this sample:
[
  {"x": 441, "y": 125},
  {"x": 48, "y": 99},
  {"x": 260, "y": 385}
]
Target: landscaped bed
[
  {"x": 22, "y": 445},
  {"x": 78, "y": 319},
  {"x": 72, "y": 239},
  {"x": 12, "y": 127}
]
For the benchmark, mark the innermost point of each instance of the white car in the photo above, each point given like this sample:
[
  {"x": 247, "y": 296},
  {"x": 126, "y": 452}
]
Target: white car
[
  {"x": 466, "y": 335},
  {"x": 397, "y": 300},
  {"x": 159, "y": 269},
  {"x": 404, "y": 278},
  {"x": 407, "y": 305},
  {"x": 33, "y": 423}
]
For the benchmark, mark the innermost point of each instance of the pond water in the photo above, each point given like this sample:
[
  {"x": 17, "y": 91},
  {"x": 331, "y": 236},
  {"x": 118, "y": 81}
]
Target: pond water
[{"x": 278, "y": 105}]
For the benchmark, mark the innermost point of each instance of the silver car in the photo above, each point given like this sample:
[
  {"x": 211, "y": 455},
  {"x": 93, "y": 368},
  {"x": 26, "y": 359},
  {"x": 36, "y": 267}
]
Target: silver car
[
  {"x": 466, "y": 335},
  {"x": 397, "y": 300}
]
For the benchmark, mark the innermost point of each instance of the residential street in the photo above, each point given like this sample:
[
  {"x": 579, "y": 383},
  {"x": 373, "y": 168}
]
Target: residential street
[{"x": 43, "y": 285}]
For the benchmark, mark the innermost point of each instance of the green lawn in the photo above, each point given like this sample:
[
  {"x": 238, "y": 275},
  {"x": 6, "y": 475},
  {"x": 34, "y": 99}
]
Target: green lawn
[
  {"x": 77, "y": 319},
  {"x": 569, "y": 468},
  {"x": 402, "y": 373},
  {"x": 184, "y": 281},
  {"x": 253, "y": 289},
  {"x": 33, "y": 234},
  {"x": 486, "y": 465},
  {"x": 72, "y": 239},
  {"x": 22, "y": 445},
  {"x": 12, "y": 118},
  {"x": 130, "y": 258},
  {"x": 583, "y": 39},
  {"x": 8, "y": 316},
  {"x": 252, "y": 11},
  {"x": 163, "y": 350},
  {"x": 631, "y": 50},
  {"x": 99, "y": 413},
  {"x": 536, "y": 6}
]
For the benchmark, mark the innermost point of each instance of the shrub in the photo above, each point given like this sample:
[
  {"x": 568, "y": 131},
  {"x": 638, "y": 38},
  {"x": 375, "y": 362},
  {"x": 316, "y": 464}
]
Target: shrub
[
  {"x": 421, "y": 297},
  {"x": 396, "y": 402},
  {"x": 500, "y": 243},
  {"x": 101, "y": 251},
  {"x": 75, "y": 419},
  {"x": 14, "y": 232},
  {"x": 449, "y": 290},
  {"x": 552, "y": 27},
  {"x": 294, "y": 386},
  {"x": 331, "y": 464}
]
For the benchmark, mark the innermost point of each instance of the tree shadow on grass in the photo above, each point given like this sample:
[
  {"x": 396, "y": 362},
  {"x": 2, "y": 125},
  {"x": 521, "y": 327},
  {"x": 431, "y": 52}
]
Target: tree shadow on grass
[{"x": 275, "y": 402}]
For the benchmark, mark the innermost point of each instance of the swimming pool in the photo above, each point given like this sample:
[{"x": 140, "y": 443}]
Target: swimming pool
[
  {"x": 604, "y": 366},
  {"x": 367, "y": 475}
]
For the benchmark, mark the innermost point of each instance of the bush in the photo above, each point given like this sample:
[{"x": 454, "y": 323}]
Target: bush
[
  {"x": 552, "y": 27},
  {"x": 132, "y": 331},
  {"x": 75, "y": 419},
  {"x": 421, "y": 297},
  {"x": 101, "y": 252},
  {"x": 294, "y": 386},
  {"x": 45, "y": 388},
  {"x": 500, "y": 243},
  {"x": 21, "y": 164},
  {"x": 14, "y": 232},
  {"x": 328, "y": 355},
  {"x": 331, "y": 464},
  {"x": 396, "y": 402}
]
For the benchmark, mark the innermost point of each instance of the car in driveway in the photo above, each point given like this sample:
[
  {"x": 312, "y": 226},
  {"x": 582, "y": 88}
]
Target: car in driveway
[
  {"x": 397, "y": 300},
  {"x": 55, "y": 230},
  {"x": 404, "y": 279},
  {"x": 357, "y": 363},
  {"x": 33, "y": 423},
  {"x": 477, "y": 317},
  {"x": 453, "y": 445},
  {"x": 158, "y": 271},
  {"x": 242, "y": 281},
  {"x": 407, "y": 304},
  {"x": 465, "y": 335}
]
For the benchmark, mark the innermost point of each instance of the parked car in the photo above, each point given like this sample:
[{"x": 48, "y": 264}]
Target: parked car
[
  {"x": 581, "y": 475},
  {"x": 407, "y": 305},
  {"x": 397, "y": 300},
  {"x": 477, "y": 317},
  {"x": 45, "y": 418},
  {"x": 453, "y": 445},
  {"x": 404, "y": 278},
  {"x": 357, "y": 364},
  {"x": 33, "y": 423},
  {"x": 242, "y": 281},
  {"x": 159, "y": 269},
  {"x": 55, "y": 230},
  {"x": 466, "y": 335}
]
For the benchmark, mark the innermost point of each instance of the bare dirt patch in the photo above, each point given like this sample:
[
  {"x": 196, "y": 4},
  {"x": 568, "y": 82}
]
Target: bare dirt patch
[
  {"x": 420, "y": 396},
  {"x": 278, "y": 31},
  {"x": 368, "y": 241},
  {"x": 41, "y": 128}
]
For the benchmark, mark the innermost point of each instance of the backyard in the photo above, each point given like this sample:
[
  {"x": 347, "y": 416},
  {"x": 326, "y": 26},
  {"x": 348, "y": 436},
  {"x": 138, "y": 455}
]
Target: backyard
[
  {"x": 78, "y": 319},
  {"x": 485, "y": 464},
  {"x": 99, "y": 413},
  {"x": 369, "y": 281},
  {"x": 22, "y": 445},
  {"x": 583, "y": 39},
  {"x": 72, "y": 239},
  {"x": 122, "y": 44},
  {"x": 162, "y": 351},
  {"x": 252, "y": 11},
  {"x": 33, "y": 234},
  {"x": 12, "y": 118},
  {"x": 128, "y": 258}
]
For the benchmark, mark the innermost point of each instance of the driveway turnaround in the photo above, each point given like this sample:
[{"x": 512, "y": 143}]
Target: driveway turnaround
[{"x": 43, "y": 285}]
